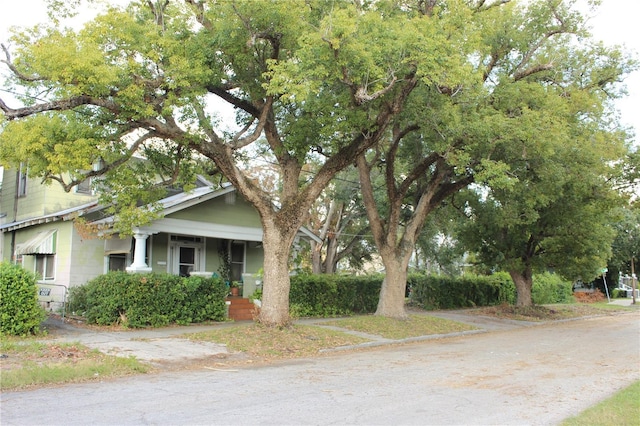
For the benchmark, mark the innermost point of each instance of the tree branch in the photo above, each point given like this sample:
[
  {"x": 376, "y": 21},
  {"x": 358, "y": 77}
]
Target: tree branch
[
  {"x": 481, "y": 7},
  {"x": 375, "y": 221},
  {"x": 130, "y": 152},
  {"x": 198, "y": 7},
  {"x": 262, "y": 120},
  {"x": 15, "y": 70},
  {"x": 59, "y": 105},
  {"x": 533, "y": 70},
  {"x": 361, "y": 96}
]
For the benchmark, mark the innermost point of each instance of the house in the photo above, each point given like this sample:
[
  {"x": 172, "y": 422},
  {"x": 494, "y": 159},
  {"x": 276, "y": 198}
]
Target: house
[{"x": 199, "y": 232}]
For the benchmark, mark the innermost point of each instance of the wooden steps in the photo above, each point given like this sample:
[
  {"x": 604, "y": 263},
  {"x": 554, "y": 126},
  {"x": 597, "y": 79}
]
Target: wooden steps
[{"x": 241, "y": 309}]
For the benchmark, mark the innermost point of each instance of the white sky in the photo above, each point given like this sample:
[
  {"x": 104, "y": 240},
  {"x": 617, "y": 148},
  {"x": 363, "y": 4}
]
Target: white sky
[{"x": 616, "y": 23}]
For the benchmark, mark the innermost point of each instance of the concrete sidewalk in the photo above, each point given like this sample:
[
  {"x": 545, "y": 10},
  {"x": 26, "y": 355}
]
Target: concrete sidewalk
[
  {"x": 624, "y": 302},
  {"x": 154, "y": 345}
]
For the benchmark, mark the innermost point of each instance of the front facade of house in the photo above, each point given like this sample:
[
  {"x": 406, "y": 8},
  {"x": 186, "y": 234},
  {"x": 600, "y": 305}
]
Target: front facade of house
[{"x": 198, "y": 230}]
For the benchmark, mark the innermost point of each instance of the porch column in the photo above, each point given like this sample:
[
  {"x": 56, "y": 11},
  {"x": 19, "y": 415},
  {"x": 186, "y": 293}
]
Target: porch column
[{"x": 139, "y": 253}]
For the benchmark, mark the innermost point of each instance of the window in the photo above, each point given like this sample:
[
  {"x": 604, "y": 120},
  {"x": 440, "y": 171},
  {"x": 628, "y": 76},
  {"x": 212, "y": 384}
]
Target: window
[
  {"x": 186, "y": 239},
  {"x": 45, "y": 266},
  {"x": 22, "y": 180},
  {"x": 117, "y": 262},
  {"x": 84, "y": 187}
]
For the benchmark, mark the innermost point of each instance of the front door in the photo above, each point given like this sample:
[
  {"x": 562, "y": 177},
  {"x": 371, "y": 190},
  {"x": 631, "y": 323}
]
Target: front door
[
  {"x": 237, "y": 260},
  {"x": 186, "y": 261},
  {"x": 184, "y": 254}
]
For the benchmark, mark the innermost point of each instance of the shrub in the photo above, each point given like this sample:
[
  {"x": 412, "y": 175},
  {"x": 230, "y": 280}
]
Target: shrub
[
  {"x": 20, "y": 312},
  {"x": 140, "y": 300},
  {"x": 329, "y": 295},
  {"x": 550, "y": 288},
  {"x": 618, "y": 292},
  {"x": 440, "y": 292}
]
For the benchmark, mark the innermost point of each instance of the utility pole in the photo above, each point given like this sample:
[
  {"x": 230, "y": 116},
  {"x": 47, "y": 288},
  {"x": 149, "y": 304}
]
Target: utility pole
[{"x": 633, "y": 282}]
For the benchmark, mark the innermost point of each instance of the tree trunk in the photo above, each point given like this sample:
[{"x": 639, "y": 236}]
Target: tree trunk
[
  {"x": 394, "y": 285},
  {"x": 332, "y": 252},
  {"x": 524, "y": 282},
  {"x": 316, "y": 257},
  {"x": 276, "y": 283},
  {"x": 329, "y": 242}
]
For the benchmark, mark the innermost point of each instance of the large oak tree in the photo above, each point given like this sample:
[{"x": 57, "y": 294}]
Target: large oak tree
[
  {"x": 319, "y": 80},
  {"x": 536, "y": 92}
]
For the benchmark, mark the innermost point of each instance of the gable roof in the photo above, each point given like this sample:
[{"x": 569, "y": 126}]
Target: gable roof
[{"x": 184, "y": 200}]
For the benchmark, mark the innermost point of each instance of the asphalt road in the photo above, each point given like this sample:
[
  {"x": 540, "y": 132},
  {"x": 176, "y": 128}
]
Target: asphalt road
[{"x": 535, "y": 375}]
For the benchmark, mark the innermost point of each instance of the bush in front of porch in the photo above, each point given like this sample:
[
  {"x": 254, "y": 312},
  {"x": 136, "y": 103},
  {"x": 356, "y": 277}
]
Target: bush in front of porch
[{"x": 155, "y": 299}]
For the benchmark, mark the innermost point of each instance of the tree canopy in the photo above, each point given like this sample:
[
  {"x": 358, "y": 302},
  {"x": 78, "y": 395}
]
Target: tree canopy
[
  {"x": 318, "y": 80},
  {"x": 532, "y": 122},
  {"x": 448, "y": 86}
]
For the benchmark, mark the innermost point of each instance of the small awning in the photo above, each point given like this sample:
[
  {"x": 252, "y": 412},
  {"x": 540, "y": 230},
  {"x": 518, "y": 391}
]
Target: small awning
[
  {"x": 117, "y": 245},
  {"x": 43, "y": 243}
]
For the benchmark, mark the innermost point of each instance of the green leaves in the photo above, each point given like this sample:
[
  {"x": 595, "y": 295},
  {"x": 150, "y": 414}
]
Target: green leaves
[
  {"x": 20, "y": 313},
  {"x": 141, "y": 300},
  {"x": 53, "y": 144}
]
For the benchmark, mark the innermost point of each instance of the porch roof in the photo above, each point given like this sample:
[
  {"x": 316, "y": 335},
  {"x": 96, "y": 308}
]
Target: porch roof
[
  {"x": 196, "y": 196},
  {"x": 52, "y": 217}
]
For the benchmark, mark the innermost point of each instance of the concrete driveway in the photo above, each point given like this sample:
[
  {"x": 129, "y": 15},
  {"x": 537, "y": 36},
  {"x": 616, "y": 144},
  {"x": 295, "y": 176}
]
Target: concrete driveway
[{"x": 518, "y": 374}]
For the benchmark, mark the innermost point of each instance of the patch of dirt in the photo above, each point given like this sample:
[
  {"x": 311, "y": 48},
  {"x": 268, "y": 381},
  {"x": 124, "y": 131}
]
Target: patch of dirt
[
  {"x": 46, "y": 354},
  {"x": 542, "y": 313},
  {"x": 78, "y": 322}
]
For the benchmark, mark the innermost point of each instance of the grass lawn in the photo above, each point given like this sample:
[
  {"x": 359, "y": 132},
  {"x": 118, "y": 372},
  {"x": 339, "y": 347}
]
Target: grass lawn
[
  {"x": 415, "y": 326},
  {"x": 27, "y": 362},
  {"x": 621, "y": 409},
  {"x": 308, "y": 340},
  {"x": 270, "y": 343}
]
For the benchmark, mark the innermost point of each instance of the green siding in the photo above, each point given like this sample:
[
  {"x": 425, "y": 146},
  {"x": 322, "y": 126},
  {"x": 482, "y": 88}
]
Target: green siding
[
  {"x": 219, "y": 211},
  {"x": 40, "y": 199},
  {"x": 158, "y": 252},
  {"x": 255, "y": 259},
  {"x": 86, "y": 259},
  {"x": 7, "y": 195},
  {"x": 212, "y": 260}
]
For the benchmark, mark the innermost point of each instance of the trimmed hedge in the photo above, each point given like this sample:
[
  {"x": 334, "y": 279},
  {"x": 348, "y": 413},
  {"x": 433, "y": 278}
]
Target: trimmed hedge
[
  {"x": 441, "y": 292},
  {"x": 329, "y": 295},
  {"x": 141, "y": 300},
  {"x": 20, "y": 312}
]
